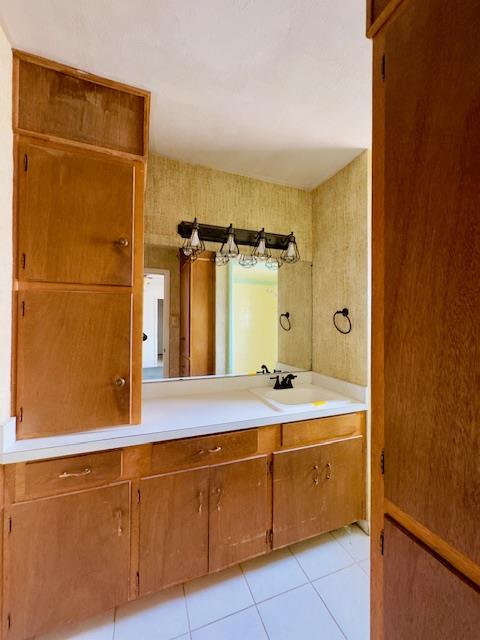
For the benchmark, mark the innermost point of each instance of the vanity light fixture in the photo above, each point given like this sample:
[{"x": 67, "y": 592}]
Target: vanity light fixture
[
  {"x": 193, "y": 246},
  {"x": 290, "y": 254},
  {"x": 273, "y": 263},
  {"x": 260, "y": 250},
  {"x": 229, "y": 248},
  {"x": 247, "y": 261}
]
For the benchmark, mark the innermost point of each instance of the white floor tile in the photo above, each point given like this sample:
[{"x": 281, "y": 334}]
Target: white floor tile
[
  {"x": 354, "y": 540},
  {"x": 97, "y": 628},
  {"x": 298, "y": 615},
  {"x": 244, "y": 625},
  {"x": 347, "y": 596},
  {"x": 321, "y": 555},
  {"x": 213, "y": 597},
  {"x": 365, "y": 565},
  {"x": 272, "y": 574},
  {"x": 162, "y": 616}
]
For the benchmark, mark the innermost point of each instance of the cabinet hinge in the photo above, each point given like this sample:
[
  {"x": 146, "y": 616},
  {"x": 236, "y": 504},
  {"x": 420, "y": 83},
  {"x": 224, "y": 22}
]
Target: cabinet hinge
[
  {"x": 9, "y": 528},
  {"x": 9, "y": 621},
  {"x": 25, "y": 162},
  {"x": 23, "y": 261},
  {"x": 270, "y": 466},
  {"x": 138, "y": 496},
  {"x": 383, "y": 68},
  {"x": 269, "y": 536},
  {"x": 20, "y": 414},
  {"x": 137, "y": 582},
  {"x": 382, "y": 462},
  {"x": 22, "y": 307},
  {"x": 382, "y": 542}
]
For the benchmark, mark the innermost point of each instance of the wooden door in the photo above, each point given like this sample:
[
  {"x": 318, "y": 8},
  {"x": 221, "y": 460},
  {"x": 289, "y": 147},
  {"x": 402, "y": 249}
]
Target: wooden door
[
  {"x": 75, "y": 216},
  {"x": 173, "y": 529},
  {"x": 317, "y": 489},
  {"x": 432, "y": 269},
  {"x": 202, "y": 315},
  {"x": 66, "y": 558},
  {"x": 240, "y": 515},
  {"x": 424, "y": 597},
  {"x": 73, "y": 361}
]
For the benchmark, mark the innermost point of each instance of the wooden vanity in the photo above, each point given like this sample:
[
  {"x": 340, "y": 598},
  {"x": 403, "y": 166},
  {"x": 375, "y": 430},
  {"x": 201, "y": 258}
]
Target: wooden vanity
[{"x": 86, "y": 533}]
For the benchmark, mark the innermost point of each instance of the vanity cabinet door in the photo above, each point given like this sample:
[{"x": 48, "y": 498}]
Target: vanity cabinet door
[
  {"x": 66, "y": 558},
  {"x": 173, "y": 529},
  {"x": 240, "y": 513},
  {"x": 73, "y": 361},
  {"x": 317, "y": 489},
  {"x": 75, "y": 216}
]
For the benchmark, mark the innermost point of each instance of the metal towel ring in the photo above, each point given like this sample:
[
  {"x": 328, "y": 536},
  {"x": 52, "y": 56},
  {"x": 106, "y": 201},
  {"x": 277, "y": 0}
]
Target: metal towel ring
[
  {"x": 344, "y": 313},
  {"x": 285, "y": 324}
]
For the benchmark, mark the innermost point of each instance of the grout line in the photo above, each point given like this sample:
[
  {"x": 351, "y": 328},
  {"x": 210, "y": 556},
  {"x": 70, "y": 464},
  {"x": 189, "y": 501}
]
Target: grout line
[
  {"x": 330, "y": 573},
  {"x": 186, "y": 609},
  {"x": 331, "y": 614},
  {"x": 229, "y": 615},
  {"x": 255, "y": 602},
  {"x": 114, "y": 621}
]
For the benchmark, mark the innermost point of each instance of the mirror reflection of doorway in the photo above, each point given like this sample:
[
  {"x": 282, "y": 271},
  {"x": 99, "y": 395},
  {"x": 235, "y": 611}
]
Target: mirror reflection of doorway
[{"x": 156, "y": 304}]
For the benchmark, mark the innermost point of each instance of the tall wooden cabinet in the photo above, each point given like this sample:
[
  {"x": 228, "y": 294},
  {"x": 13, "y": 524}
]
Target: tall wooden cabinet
[
  {"x": 426, "y": 293},
  {"x": 80, "y": 147}
]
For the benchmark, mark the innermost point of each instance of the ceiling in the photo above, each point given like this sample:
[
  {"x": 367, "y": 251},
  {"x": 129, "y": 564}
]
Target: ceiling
[{"x": 273, "y": 89}]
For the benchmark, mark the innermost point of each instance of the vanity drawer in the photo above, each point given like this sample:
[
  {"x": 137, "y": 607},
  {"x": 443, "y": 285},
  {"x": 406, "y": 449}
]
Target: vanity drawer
[
  {"x": 310, "y": 431},
  {"x": 62, "y": 475},
  {"x": 204, "y": 450}
]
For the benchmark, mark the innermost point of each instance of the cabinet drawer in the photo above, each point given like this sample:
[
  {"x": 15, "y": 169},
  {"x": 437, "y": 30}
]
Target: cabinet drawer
[
  {"x": 204, "y": 450},
  {"x": 62, "y": 475},
  {"x": 295, "y": 434}
]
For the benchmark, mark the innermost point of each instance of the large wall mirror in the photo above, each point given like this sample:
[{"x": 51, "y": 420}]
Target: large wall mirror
[{"x": 201, "y": 318}]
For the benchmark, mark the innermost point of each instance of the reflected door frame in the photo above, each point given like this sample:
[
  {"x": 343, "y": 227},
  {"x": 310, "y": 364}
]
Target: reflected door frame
[{"x": 166, "y": 316}]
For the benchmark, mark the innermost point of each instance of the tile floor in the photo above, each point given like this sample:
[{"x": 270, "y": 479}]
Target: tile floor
[{"x": 314, "y": 590}]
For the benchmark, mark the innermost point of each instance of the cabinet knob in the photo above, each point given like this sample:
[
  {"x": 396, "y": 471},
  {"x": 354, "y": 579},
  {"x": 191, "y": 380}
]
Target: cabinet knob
[
  {"x": 120, "y": 382},
  {"x": 122, "y": 242}
]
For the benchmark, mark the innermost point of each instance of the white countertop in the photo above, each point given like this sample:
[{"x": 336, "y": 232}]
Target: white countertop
[{"x": 180, "y": 409}]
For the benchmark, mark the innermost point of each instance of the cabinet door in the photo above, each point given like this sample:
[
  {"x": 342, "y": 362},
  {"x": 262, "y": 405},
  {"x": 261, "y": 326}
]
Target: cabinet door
[
  {"x": 75, "y": 216},
  {"x": 66, "y": 558},
  {"x": 73, "y": 361},
  {"x": 239, "y": 512},
  {"x": 173, "y": 529},
  {"x": 432, "y": 267},
  {"x": 317, "y": 489},
  {"x": 423, "y": 597}
]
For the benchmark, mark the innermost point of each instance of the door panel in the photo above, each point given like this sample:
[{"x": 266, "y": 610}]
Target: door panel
[
  {"x": 66, "y": 558},
  {"x": 73, "y": 362},
  {"x": 75, "y": 217},
  {"x": 173, "y": 529},
  {"x": 239, "y": 512},
  {"x": 432, "y": 268},
  {"x": 317, "y": 489},
  {"x": 424, "y": 597}
]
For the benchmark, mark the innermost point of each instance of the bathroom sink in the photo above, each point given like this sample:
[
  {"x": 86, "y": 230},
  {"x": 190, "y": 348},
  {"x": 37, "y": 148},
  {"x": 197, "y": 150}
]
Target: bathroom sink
[{"x": 305, "y": 396}]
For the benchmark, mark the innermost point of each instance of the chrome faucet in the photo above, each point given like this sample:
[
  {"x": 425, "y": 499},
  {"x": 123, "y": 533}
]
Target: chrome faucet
[{"x": 286, "y": 382}]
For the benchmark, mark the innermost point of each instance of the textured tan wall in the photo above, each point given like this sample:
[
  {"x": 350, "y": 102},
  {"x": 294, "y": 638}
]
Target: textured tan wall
[
  {"x": 6, "y": 169},
  {"x": 295, "y": 296},
  {"x": 179, "y": 191},
  {"x": 340, "y": 271},
  {"x": 166, "y": 258}
]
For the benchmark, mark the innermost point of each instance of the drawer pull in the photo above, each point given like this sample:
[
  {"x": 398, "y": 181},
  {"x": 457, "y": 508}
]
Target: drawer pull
[
  {"x": 120, "y": 382},
  {"x": 315, "y": 474},
  {"x": 86, "y": 472},
  {"x": 328, "y": 475},
  {"x": 122, "y": 242},
  {"x": 202, "y": 452},
  {"x": 219, "y": 498}
]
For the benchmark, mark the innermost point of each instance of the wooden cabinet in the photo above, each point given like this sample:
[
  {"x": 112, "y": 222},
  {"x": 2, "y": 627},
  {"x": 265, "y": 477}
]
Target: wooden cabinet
[
  {"x": 317, "y": 489},
  {"x": 73, "y": 360},
  {"x": 240, "y": 515},
  {"x": 424, "y": 597},
  {"x": 173, "y": 529},
  {"x": 426, "y": 270},
  {"x": 66, "y": 558},
  {"x": 75, "y": 216},
  {"x": 80, "y": 149}
]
